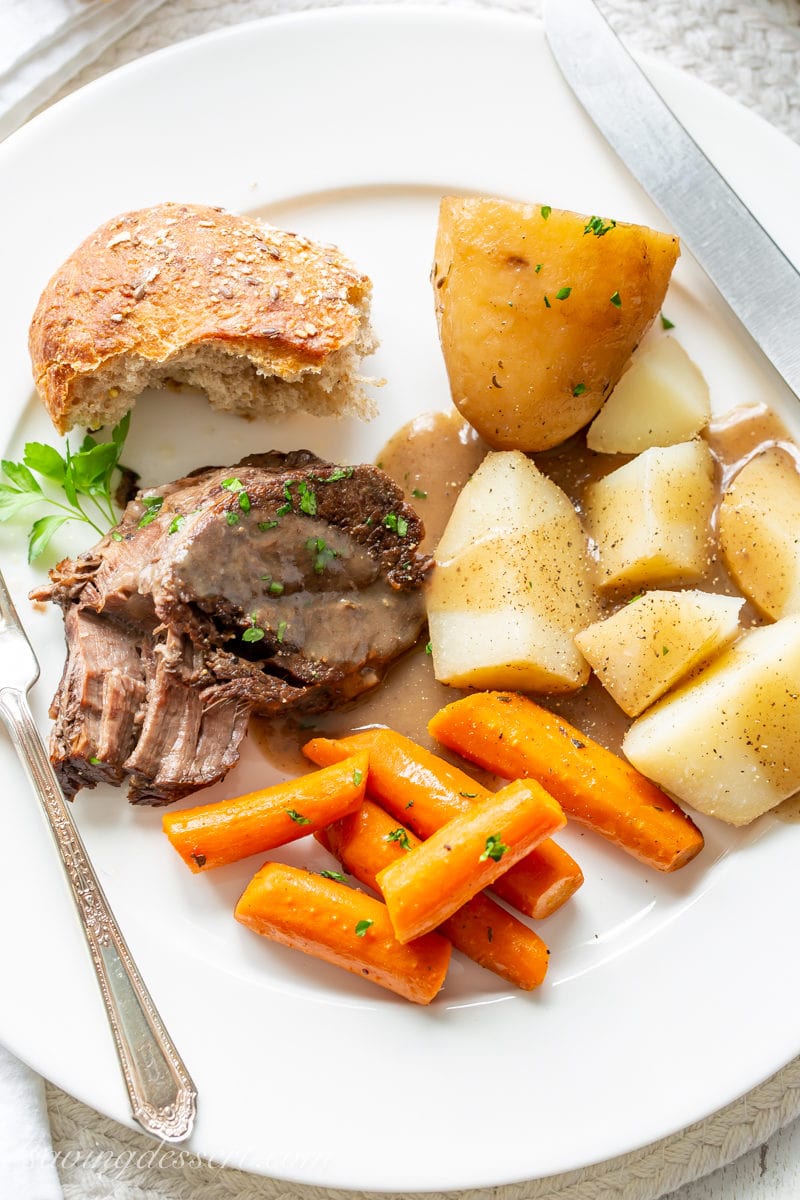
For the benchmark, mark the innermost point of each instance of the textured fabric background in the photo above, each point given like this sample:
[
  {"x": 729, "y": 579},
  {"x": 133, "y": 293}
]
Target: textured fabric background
[{"x": 752, "y": 52}]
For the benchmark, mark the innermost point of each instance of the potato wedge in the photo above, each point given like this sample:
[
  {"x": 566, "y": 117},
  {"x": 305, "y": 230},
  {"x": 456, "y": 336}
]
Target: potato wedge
[
  {"x": 661, "y": 399},
  {"x": 539, "y": 311},
  {"x": 651, "y": 519},
  {"x": 728, "y": 741},
  {"x": 511, "y": 587},
  {"x": 646, "y": 647},
  {"x": 759, "y": 532}
]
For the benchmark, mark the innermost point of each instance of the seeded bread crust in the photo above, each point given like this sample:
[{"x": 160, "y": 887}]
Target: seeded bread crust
[{"x": 264, "y": 320}]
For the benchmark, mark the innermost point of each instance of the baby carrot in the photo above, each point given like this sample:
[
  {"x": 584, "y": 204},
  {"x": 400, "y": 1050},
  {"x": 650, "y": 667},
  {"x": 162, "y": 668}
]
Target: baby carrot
[
  {"x": 215, "y": 834},
  {"x": 506, "y": 733},
  {"x": 369, "y": 840},
  {"x": 424, "y": 792},
  {"x": 466, "y": 855},
  {"x": 347, "y": 928}
]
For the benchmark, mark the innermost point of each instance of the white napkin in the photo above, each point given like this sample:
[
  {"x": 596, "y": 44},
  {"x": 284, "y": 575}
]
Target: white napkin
[
  {"x": 27, "y": 1165},
  {"x": 44, "y": 42}
]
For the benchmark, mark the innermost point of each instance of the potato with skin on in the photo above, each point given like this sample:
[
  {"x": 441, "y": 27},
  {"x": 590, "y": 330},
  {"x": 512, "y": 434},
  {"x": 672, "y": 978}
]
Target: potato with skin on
[
  {"x": 759, "y": 532},
  {"x": 728, "y": 741},
  {"x": 512, "y": 583},
  {"x": 539, "y": 310},
  {"x": 661, "y": 399},
  {"x": 651, "y": 519},
  {"x": 656, "y": 640}
]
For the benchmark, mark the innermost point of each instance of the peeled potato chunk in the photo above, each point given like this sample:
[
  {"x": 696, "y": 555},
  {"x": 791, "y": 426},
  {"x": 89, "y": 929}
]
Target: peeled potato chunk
[
  {"x": 728, "y": 741},
  {"x": 759, "y": 532},
  {"x": 651, "y": 519},
  {"x": 652, "y": 643},
  {"x": 662, "y": 399},
  {"x": 539, "y": 310},
  {"x": 511, "y": 586}
]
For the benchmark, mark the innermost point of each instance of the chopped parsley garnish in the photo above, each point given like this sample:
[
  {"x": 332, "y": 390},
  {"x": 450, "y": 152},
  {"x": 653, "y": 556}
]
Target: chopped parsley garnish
[
  {"x": 598, "y": 226},
  {"x": 153, "y": 505},
  {"x": 233, "y": 484},
  {"x": 545, "y": 210},
  {"x": 244, "y": 501},
  {"x": 308, "y": 499},
  {"x": 232, "y": 518},
  {"x": 339, "y": 473},
  {"x": 287, "y": 490},
  {"x": 358, "y": 776},
  {"x": 400, "y": 836},
  {"x": 335, "y": 875},
  {"x": 547, "y": 303},
  {"x": 418, "y": 494},
  {"x": 265, "y": 526},
  {"x": 275, "y": 588},
  {"x": 282, "y": 627},
  {"x": 322, "y": 554},
  {"x": 579, "y": 389},
  {"x": 254, "y": 633},
  {"x": 297, "y": 817},
  {"x": 362, "y": 927},
  {"x": 429, "y": 647},
  {"x": 537, "y": 268},
  {"x": 468, "y": 795},
  {"x": 409, "y": 805},
  {"x": 563, "y": 292},
  {"x": 665, "y": 650},
  {"x": 398, "y": 525},
  {"x": 495, "y": 848},
  {"x": 284, "y": 509},
  {"x": 666, "y": 323},
  {"x": 176, "y": 523},
  {"x": 616, "y": 300},
  {"x": 96, "y": 762}
]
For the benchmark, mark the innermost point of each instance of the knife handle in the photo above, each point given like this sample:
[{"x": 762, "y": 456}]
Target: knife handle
[{"x": 162, "y": 1094}]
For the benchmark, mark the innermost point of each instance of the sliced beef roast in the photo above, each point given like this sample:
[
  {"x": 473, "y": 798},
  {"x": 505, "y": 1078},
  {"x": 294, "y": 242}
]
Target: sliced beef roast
[{"x": 282, "y": 583}]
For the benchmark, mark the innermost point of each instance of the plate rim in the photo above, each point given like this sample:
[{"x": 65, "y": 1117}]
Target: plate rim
[{"x": 395, "y": 14}]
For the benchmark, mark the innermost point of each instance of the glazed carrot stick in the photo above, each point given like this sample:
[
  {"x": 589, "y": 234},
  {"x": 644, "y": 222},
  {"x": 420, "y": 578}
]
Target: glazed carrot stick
[
  {"x": 430, "y": 883},
  {"x": 369, "y": 840},
  {"x": 215, "y": 834},
  {"x": 514, "y": 737},
  {"x": 424, "y": 792},
  {"x": 347, "y": 928}
]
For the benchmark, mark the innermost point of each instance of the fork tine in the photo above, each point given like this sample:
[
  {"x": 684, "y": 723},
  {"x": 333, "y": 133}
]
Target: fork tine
[{"x": 20, "y": 664}]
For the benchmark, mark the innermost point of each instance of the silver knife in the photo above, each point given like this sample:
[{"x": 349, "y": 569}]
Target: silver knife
[{"x": 750, "y": 271}]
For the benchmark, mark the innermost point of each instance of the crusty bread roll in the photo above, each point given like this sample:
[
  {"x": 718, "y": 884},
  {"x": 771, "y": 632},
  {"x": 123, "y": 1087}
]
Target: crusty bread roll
[{"x": 264, "y": 321}]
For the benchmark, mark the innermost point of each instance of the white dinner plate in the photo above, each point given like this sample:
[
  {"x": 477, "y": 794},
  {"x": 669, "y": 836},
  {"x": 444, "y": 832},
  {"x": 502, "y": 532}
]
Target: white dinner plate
[{"x": 667, "y": 997}]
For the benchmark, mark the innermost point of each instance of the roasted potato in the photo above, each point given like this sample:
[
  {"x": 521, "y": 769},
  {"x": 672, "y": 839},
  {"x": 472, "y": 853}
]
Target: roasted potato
[
  {"x": 655, "y": 641},
  {"x": 539, "y": 311},
  {"x": 511, "y": 586},
  {"x": 661, "y": 399},
  {"x": 728, "y": 741},
  {"x": 651, "y": 519},
  {"x": 759, "y": 532}
]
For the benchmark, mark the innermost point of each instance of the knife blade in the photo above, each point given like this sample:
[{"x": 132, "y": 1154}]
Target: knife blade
[{"x": 748, "y": 268}]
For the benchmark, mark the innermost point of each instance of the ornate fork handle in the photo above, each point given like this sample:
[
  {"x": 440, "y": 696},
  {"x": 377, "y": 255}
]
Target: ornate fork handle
[{"x": 163, "y": 1097}]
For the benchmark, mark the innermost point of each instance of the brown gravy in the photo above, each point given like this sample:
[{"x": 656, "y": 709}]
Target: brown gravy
[{"x": 435, "y": 454}]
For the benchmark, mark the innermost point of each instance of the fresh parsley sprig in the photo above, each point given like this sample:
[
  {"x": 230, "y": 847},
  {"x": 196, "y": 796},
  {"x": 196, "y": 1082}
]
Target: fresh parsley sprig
[{"x": 84, "y": 477}]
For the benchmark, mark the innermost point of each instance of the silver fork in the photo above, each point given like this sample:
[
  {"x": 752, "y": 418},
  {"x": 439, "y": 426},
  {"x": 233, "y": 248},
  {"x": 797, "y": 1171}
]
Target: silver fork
[{"x": 163, "y": 1097}]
